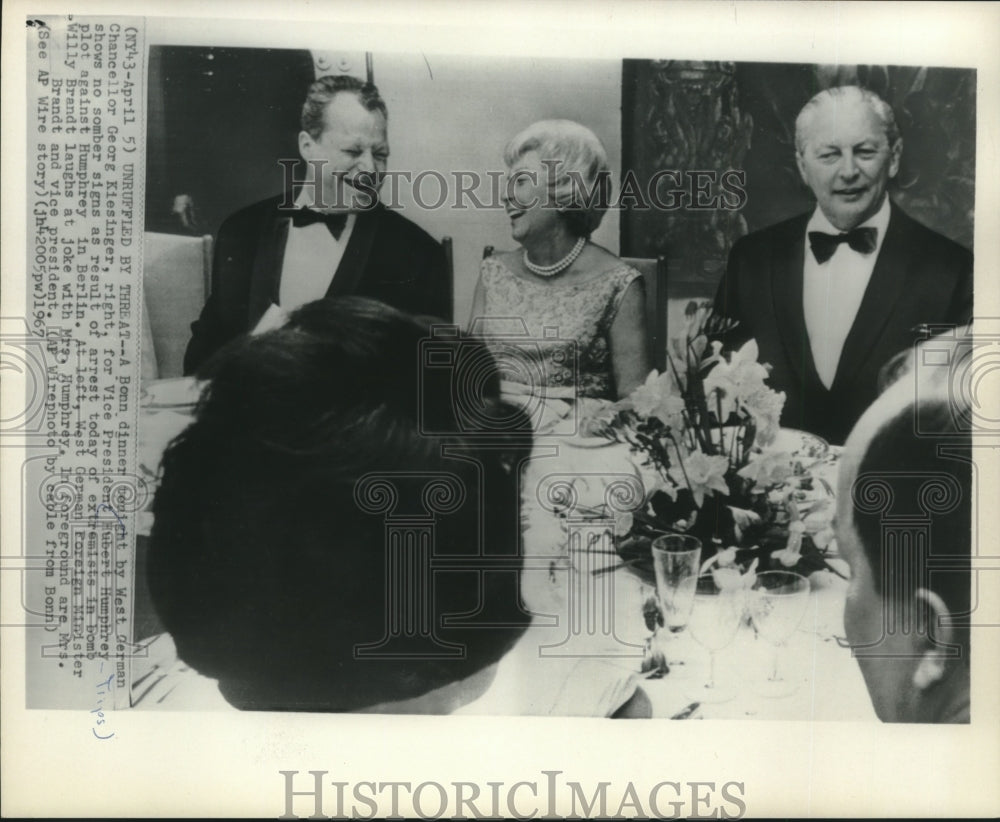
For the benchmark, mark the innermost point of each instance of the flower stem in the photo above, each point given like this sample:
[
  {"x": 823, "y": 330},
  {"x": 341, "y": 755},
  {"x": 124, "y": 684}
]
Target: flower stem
[
  {"x": 690, "y": 429},
  {"x": 680, "y": 461},
  {"x": 677, "y": 376},
  {"x": 722, "y": 439}
]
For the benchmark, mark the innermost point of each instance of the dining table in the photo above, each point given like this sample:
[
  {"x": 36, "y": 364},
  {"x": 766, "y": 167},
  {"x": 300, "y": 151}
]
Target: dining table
[
  {"x": 590, "y": 608},
  {"x": 582, "y": 654}
]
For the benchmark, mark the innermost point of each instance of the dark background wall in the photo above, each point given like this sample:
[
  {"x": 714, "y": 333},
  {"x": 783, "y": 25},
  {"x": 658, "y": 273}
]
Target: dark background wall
[
  {"x": 720, "y": 116},
  {"x": 218, "y": 120}
]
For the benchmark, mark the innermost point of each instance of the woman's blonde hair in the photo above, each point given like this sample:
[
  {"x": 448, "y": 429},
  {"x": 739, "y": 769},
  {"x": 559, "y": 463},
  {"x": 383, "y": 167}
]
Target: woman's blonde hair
[{"x": 577, "y": 165}]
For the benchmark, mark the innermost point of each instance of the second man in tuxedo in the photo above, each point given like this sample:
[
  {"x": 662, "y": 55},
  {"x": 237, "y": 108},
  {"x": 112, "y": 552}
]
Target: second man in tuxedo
[
  {"x": 831, "y": 296},
  {"x": 335, "y": 239}
]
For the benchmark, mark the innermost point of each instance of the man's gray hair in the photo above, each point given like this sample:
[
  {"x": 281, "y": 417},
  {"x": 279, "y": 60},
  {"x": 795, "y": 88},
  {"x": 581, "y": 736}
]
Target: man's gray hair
[{"x": 840, "y": 94}]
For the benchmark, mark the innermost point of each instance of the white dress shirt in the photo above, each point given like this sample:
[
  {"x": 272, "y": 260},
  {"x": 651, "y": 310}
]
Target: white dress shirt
[
  {"x": 832, "y": 292},
  {"x": 312, "y": 255}
]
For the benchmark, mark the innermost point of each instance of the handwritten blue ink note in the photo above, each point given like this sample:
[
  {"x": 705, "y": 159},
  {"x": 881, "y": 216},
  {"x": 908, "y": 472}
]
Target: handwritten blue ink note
[
  {"x": 105, "y": 507},
  {"x": 103, "y": 690}
]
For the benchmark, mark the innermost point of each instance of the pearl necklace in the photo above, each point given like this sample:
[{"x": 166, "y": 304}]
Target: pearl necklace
[{"x": 559, "y": 265}]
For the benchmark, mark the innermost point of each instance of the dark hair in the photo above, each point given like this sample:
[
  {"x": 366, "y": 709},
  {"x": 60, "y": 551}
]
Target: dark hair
[
  {"x": 903, "y": 484},
  {"x": 268, "y": 554},
  {"x": 325, "y": 89}
]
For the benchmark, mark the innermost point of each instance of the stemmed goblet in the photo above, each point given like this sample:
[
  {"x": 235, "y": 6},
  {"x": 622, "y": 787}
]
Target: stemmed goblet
[
  {"x": 716, "y": 613},
  {"x": 676, "y": 560},
  {"x": 777, "y": 603}
]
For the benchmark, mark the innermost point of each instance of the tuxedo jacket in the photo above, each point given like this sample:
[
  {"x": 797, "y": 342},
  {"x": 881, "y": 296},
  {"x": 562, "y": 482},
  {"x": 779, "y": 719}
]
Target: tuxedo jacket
[
  {"x": 920, "y": 278},
  {"x": 387, "y": 258}
]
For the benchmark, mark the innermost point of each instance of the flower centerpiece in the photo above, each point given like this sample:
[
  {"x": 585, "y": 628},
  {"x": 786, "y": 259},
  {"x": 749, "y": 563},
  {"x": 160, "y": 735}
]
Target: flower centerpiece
[{"x": 705, "y": 432}]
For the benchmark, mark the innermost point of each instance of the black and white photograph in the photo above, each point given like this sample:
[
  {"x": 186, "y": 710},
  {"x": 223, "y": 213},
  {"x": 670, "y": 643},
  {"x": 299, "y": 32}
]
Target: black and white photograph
[
  {"x": 709, "y": 159},
  {"x": 395, "y": 409}
]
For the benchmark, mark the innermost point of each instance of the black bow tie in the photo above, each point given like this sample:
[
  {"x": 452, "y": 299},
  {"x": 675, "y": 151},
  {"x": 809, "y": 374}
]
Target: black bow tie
[
  {"x": 862, "y": 240},
  {"x": 307, "y": 216}
]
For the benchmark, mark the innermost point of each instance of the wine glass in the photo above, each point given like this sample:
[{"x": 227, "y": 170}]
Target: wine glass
[
  {"x": 777, "y": 603},
  {"x": 676, "y": 561},
  {"x": 716, "y": 613}
]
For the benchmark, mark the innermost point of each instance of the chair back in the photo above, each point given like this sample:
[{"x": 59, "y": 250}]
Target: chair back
[
  {"x": 449, "y": 258},
  {"x": 654, "y": 275},
  {"x": 176, "y": 281}
]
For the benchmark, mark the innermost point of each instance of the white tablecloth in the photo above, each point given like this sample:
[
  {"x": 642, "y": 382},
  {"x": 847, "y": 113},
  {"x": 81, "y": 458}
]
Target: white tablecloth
[
  {"x": 583, "y": 659},
  {"x": 829, "y": 681}
]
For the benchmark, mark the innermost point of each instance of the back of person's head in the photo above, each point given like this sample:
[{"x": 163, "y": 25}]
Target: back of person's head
[
  {"x": 905, "y": 526},
  {"x": 928, "y": 484},
  {"x": 268, "y": 556}
]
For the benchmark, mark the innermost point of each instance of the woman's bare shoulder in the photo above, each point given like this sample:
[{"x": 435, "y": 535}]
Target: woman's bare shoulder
[
  {"x": 601, "y": 256},
  {"x": 507, "y": 258},
  {"x": 507, "y": 263},
  {"x": 598, "y": 258}
]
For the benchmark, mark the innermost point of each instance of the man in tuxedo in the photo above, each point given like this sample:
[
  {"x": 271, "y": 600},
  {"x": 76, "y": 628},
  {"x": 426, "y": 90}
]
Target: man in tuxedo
[
  {"x": 831, "y": 296},
  {"x": 335, "y": 239}
]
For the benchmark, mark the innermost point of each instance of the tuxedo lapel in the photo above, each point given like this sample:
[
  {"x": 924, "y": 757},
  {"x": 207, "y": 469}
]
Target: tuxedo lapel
[
  {"x": 270, "y": 253},
  {"x": 355, "y": 260},
  {"x": 882, "y": 294},
  {"x": 786, "y": 295}
]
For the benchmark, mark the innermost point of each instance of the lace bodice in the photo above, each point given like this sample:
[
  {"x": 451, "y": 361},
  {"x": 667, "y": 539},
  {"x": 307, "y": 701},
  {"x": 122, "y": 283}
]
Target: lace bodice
[{"x": 553, "y": 334}]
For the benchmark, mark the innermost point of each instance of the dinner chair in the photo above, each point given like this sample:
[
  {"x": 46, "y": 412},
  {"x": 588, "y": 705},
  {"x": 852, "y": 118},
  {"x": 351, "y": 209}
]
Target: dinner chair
[
  {"x": 176, "y": 281},
  {"x": 654, "y": 275}
]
